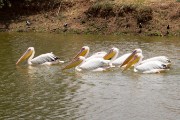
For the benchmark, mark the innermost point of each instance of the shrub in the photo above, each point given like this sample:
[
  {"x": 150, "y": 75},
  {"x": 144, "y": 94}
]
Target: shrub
[
  {"x": 144, "y": 14},
  {"x": 124, "y": 9},
  {"x": 175, "y": 14},
  {"x": 101, "y": 9}
]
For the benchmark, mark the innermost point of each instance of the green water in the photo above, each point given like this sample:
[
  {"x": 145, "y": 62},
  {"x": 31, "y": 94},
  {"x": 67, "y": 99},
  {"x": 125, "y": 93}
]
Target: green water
[{"x": 47, "y": 92}]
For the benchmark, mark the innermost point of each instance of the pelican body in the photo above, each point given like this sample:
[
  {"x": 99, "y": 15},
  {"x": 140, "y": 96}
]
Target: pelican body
[
  {"x": 162, "y": 59},
  {"x": 97, "y": 62},
  {"x": 80, "y": 64},
  {"x": 151, "y": 65},
  {"x": 97, "y": 55},
  {"x": 48, "y": 58},
  {"x": 85, "y": 52},
  {"x": 118, "y": 62}
]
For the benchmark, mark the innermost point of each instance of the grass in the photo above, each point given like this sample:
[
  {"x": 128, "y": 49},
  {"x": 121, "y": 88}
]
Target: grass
[
  {"x": 130, "y": 1},
  {"x": 106, "y": 9},
  {"x": 141, "y": 1},
  {"x": 144, "y": 14},
  {"x": 101, "y": 9},
  {"x": 61, "y": 16},
  {"x": 123, "y": 9},
  {"x": 106, "y": 16}
]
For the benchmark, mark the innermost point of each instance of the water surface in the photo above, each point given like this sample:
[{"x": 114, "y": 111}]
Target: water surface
[{"x": 47, "y": 92}]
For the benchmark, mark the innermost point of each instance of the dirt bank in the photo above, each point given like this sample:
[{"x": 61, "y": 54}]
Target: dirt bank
[{"x": 143, "y": 17}]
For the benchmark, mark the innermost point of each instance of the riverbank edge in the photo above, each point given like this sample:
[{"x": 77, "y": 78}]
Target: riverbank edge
[{"x": 154, "y": 19}]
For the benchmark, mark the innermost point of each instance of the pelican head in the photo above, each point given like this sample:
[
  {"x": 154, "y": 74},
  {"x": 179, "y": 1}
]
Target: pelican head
[
  {"x": 75, "y": 62},
  {"x": 83, "y": 52},
  {"x": 134, "y": 52},
  {"x": 112, "y": 54},
  {"x": 135, "y": 59},
  {"x": 26, "y": 55}
]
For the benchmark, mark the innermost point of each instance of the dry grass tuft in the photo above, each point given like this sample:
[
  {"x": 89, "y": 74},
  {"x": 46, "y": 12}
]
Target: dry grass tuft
[
  {"x": 144, "y": 14},
  {"x": 100, "y": 9},
  {"x": 122, "y": 10},
  {"x": 175, "y": 14}
]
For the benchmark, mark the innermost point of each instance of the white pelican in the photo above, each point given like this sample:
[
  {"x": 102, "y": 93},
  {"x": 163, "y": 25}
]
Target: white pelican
[
  {"x": 97, "y": 55},
  {"x": 95, "y": 63},
  {"x": 162, "y": 59},
  {"x": 153, "y": 66},
  {"x": 48, "y": 58},
  {"x": 83, "y": 52},
  {"x": 112, "y": 54},
  {"x": 119, "y": 61},
  {"x": 129, "y": 56}
]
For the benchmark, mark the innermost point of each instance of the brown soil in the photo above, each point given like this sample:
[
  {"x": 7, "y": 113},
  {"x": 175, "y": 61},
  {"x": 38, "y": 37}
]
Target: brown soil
[{"x": 99, "y": 16}]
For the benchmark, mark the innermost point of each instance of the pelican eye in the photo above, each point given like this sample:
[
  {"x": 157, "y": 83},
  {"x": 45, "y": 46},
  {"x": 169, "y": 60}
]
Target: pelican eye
[
  {"x": 78, "y": 58},
  {"x": 134, "y": 51},
  {"x": 164, "y": 66},
  {"x": 29, "y": 50},
  {"x": 168, "y": 61}
]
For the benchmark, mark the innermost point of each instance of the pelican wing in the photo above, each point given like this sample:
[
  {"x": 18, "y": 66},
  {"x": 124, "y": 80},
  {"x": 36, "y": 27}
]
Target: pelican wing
[
  {"x": 48, "y": 57},
  {"x": 151, "y": 66},
  {"x": 163, "y": 59},
  {"x": 94, "y": 64},
  {"x": 121, "y": 59},
  {"x": 97, "y": 55}
]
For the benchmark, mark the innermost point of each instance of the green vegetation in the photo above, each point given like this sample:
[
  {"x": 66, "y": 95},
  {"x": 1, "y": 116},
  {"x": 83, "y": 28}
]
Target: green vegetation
[
  {"x": 123, "y": 9},
  {"x": 26, "y": 3},
  {"x": 106, "y": 9},
  {"x": 91, "y": 16},
  {"x": 101, "y": 9},
  {"x": 144, "y": 14},
  {"x": 17, "y": 9},
  {"x": 32, "y": 5}
]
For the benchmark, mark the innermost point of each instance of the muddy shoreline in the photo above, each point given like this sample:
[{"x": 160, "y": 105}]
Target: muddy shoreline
[{"x": 99, "y": 17}]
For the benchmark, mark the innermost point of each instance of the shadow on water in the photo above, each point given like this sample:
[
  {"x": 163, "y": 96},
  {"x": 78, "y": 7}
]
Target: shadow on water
[{"x": 47, "y": 92}]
